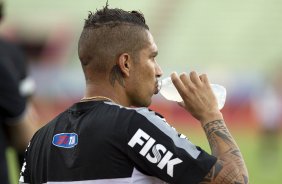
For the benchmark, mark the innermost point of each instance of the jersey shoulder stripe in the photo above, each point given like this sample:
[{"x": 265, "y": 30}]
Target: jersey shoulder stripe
[{"x": 159, "y": 122}]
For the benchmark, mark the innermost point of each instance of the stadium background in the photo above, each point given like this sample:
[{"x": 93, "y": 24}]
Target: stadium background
[{"x": 237, "y": 43}]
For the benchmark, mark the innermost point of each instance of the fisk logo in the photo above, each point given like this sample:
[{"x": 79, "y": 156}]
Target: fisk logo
[
  {"x": 65, "y": 140},
  {"x": 159, "y": 154}
]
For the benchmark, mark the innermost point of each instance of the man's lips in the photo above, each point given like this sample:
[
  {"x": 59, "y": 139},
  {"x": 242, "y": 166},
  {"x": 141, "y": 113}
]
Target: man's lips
[{"x": 157, "y": 87}]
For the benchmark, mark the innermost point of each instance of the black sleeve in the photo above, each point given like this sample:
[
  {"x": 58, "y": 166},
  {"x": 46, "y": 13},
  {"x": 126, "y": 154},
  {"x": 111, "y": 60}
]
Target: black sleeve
[
  {"x": 159, "y": 150},
  {"x": 12, "y": 103},
  {"x": 17, "y": 58}
]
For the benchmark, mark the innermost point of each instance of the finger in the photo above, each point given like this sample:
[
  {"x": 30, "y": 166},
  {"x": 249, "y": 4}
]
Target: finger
[
  {"x": 177, "y": 82},
  {"x": 195, "y": 78},
  {"x": 204, "y": 78},
  {"x": 186, "y": 80}
]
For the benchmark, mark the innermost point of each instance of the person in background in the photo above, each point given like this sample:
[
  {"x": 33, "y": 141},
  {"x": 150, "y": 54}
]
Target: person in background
[
  {"x": 16, "y": 128},
  {"x": 110, "y": 136},
  {"x": 267, "y": 103}
]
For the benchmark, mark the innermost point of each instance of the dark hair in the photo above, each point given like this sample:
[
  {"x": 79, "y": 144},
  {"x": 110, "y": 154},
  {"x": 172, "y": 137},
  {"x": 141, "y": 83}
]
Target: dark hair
[
  {"x": 107, "y": 33},
  {"x": 114, "y": 17}
]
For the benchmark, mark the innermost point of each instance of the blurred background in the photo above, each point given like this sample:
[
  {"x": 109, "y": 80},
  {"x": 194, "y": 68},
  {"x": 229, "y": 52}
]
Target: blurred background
[{"x": 237, "y": 43}]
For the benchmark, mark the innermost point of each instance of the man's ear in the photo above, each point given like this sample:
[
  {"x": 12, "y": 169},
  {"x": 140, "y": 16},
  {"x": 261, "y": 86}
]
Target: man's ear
[{"x": 124, "y": 62}]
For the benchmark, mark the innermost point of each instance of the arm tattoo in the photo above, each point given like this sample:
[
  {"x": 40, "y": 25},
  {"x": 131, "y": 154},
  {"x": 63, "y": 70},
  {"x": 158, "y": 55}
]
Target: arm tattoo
[{"x": 230, "y": 167}]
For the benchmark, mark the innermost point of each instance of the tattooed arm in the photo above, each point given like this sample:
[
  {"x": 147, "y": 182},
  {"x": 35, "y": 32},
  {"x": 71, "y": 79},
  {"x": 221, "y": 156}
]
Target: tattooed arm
[
  {"x": 199, "y": 100},
  {"x": 230, "y": 167}
]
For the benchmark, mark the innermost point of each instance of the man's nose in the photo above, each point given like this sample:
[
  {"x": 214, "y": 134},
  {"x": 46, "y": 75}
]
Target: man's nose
[{"x": 159, "y": 71}]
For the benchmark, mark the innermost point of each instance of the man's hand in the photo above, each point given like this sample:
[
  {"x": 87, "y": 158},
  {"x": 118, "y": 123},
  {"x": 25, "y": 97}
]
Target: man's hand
[
  {"x": 197, "y": 95},
  {"x": 199, "y": 100}
]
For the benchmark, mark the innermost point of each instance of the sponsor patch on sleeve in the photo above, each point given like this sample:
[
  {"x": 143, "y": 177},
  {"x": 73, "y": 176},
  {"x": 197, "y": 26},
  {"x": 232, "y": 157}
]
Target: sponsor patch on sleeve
[{"x": 65, "y": 140}]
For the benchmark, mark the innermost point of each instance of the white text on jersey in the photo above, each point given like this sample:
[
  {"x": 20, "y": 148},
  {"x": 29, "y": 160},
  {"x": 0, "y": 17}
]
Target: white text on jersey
[{"x": 148, "y": 143}]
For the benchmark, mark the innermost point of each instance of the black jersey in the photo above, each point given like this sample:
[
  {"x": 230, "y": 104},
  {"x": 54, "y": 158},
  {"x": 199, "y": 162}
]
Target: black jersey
[
  {"x": 12, "y": 73},
  {"x": 12, "y": 102},
  {"x": 101, "y": 142}
]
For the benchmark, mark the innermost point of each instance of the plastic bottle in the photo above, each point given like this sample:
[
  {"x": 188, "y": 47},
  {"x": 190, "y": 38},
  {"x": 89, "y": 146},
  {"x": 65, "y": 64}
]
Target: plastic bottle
[{"x": 168, "y": 91}]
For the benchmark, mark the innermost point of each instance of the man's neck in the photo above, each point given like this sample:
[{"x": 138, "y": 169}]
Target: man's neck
[{"x": 115, "y": 93}]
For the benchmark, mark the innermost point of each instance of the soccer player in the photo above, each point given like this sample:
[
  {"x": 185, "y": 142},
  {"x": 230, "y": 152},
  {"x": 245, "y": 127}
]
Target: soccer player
[
  {"x": 110, "y": 136},
  {"x": 16, "y": 127}
]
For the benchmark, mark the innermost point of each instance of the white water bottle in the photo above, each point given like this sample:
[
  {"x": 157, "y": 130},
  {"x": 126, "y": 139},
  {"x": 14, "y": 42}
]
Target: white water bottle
[{"x": 168, "y": 91}]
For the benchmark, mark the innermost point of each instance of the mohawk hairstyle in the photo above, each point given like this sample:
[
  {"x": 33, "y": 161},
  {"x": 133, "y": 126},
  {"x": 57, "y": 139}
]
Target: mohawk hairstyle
[
  {"x": 106, "y": 34},
  {"x": 113, "y": 17}
]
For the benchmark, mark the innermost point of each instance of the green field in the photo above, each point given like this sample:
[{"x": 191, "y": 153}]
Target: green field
[{"x": 263, "y": 169}]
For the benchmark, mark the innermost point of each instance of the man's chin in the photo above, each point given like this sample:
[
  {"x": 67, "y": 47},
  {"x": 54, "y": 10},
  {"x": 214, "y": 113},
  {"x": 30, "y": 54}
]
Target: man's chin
[
  {"x": 144, "y": 103},
  {"x": 149, "y": 102}
]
